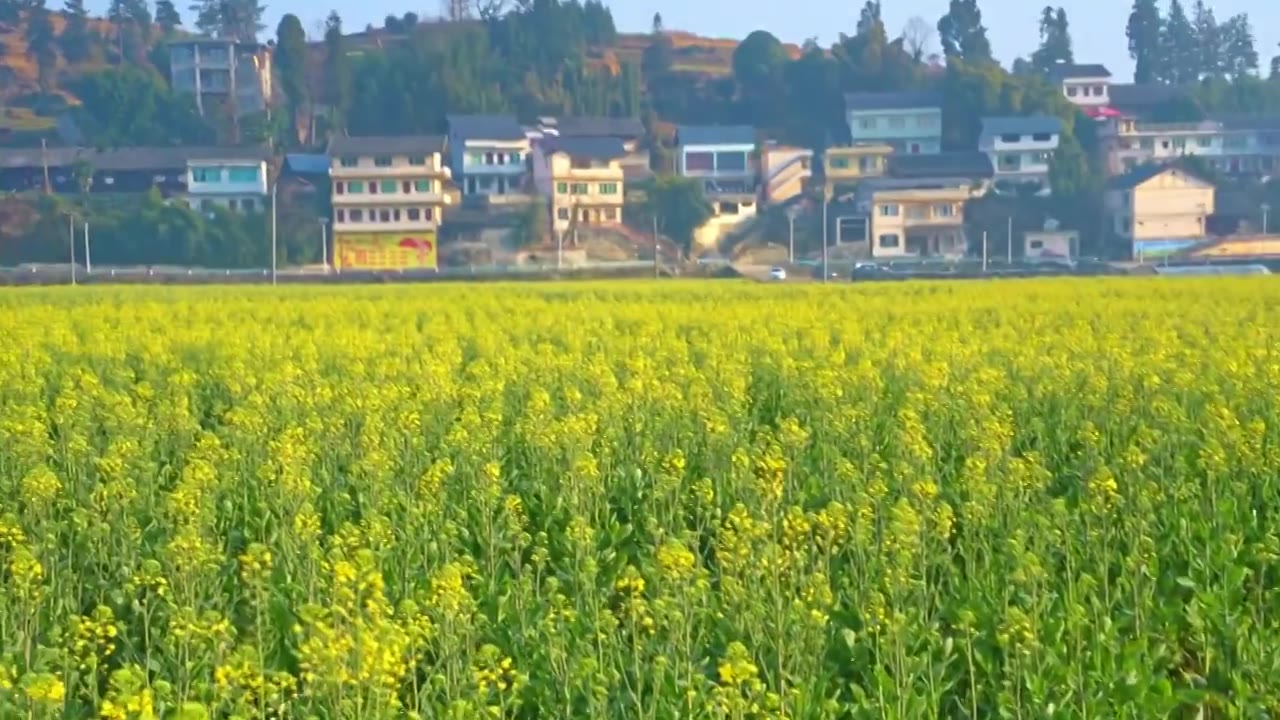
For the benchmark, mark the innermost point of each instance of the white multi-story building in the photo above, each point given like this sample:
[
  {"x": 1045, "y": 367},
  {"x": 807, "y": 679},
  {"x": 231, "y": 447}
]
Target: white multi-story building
[
  {"x": 489, "y": 157},
  {"x": 1235, "y": 146},
  {"x": 1020, "y": 149},
  {"x": 226, "y": 71},
  {"x": 910, "y": 122},
  {"x": 233, "y": 178},
  {"x": 389, "y": 198},
  {"x": 1085, "y": 86}
]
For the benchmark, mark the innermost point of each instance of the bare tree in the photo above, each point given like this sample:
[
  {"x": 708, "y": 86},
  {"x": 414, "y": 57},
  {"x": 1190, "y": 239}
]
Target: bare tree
[
  {"x": 490, "y": 9},
  {"x": 455, "y": 10},
  {"x": 917, "y": 36}
]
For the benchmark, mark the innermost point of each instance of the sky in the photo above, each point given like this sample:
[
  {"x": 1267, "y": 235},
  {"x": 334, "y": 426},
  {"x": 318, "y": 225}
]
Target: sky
[{"x": 1097, "y": 26}]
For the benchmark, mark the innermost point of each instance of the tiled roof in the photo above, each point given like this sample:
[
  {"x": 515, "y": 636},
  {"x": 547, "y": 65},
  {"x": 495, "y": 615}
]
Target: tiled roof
[
  {"x": 595, "y": 148},
  {"x": 715, "y": 135},
  {"x": 1075, "y": 72},
  {"x": 133, "y": 158},
  {"x": 902, "y": 100},
  {"x": 599, "y": 127},
  {"x": 1139, "y": 175},
  {"x": 1132, "y": 96},
  {"x": 965, "y": 164},
  {"x": 1028, "y": 125},
  {"x": 485, "y": 127},
  {"x": 1249, "y": 122},
  {"x": 386, "y": 144},
  {"x": 307, "y": 163}
]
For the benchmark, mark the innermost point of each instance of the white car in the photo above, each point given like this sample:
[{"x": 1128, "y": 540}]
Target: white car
[{"x": 777, "y": 273}]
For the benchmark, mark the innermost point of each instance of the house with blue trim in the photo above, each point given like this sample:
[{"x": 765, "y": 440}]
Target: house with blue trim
[
  {"x": 489, "y": 158},
  {"x": 1020, "y": 149}
]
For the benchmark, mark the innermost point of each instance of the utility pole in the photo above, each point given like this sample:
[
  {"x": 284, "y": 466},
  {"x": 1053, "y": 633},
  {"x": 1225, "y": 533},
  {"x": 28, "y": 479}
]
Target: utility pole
[
  {"x": 791, "y": 237},
  {"x": 71, "y": 243},
  {"x": 825, "y": 272},
  {"x": 1009, "y": 260},
  {"x": 1265, "y": 210},
  {"x": 88, "y": 265},
  {"x": 655, "y": 247},
  {"x": 274, "y": 213},
  {"x": 324, "y": 242},
  {"x": 984, "y": 252}
]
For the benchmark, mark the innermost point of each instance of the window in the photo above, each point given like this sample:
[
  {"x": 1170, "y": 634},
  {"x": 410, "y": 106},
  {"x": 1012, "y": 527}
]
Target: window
[
  {"x": 382, "y": 161},
  {"x": 417, "y": 160},
  {"x": 395, "y": 214},
  {"x": 699, "y": 161},
  {"x": 428, "y": 213},
  {"x": 1010, "y": 162},
  {"x": 513, "y": 159},
  {"x": 562, "y": 213},
  {"x": 578, "y": 189},
  {"x": 414, "y": 214},
  {"x": 384, "y": 216},
  {"x": 1180, "y": 143},
  {"x": 1164, "y": 144},
  {"x": 867, "y": 123},
  {"x": 888, "y": 211},
  {"x": 348, "y": 161},
  {"x": 1036, "y": 244},
  {"x": 422, "y": 186},
  {"x": 868, "y": 164},
  {"x": 242, "y": 175},
  {"x": 1204, "y": 142},
  {"x": 1099, "y": 91},
  {"x": 387, "y": 187},
  {"x": 888, "y": 240},
  {"x": 488, "y": 158},
  {"x": 247, "y": 205},
  {"x": 475, "y": 158},
  {"x": 611, "y": 214},
  {"x": 406, "y": 187},
  {"x": 206, "y": 174},
  {"x": 945, "y": 210},
  {"x": 562, "y": 188},
  {"x": 356, "y": 215},
  {"x": 355, "y": 187},
  {"x": 839, "y": 163},
  {"x": 1071, "y": 91},
  {"x": 373, "y": 187},
  {"x": 1041, "y": 137},
  {"x": 897, "y": 123},
  {"x": 337, "y": 188},
  {"x": 732, "y": 161},
  {"x": 1010, "y": 138},
  {"x": 341, "y": 215},
  {"x": 608, "y": 188}
]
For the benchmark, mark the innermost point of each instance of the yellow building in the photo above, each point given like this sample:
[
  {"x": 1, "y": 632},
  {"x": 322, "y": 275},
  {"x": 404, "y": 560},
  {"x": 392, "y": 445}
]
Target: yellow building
[
  {"x": 917, "y": 221},
  {"x": 584, "y": 179},
  {"x": 845, "y": 167},
  {"x": 388, "y": 197},
  {"x": 1158, "y": 210}
]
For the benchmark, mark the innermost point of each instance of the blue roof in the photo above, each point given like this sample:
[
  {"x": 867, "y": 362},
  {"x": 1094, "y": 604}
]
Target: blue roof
[
  {"x": 503, "y": 128},
  {"x": 715, "y": 135},
  {"x": 1022, "y": 125},
  {"x": 306, "y": 163}
]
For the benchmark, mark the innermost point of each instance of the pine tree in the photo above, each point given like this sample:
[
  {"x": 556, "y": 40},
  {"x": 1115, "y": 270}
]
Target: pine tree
[
  {"x": 1239, "y": 54},
  {"x": 76, "y": 40},
  {"x": 291, "y": 63},
  {"x": 1055, "y": 40},
  {"x": 1143, "y": 32},
  {"x": 1209, "y": 41},
  {"x": 962, "y": 33},
  {"x": 1179, "y": 51},
  {"x": 42, "y": 43},
  {"x": 167, "y": 17},
  {"x": 337, "y": 69}
]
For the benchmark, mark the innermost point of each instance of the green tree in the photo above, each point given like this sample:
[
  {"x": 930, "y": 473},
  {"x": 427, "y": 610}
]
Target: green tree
[
  {"x": 76, "y": 40},
  {"x": 167, "y": 17},
  {"x": 1239, "y": 55},
  {"x": 337, "y": 69},
  {"x": 291, "y": 66},
  {"x": 129, "y": 106},
  {"x": 962, "y": 33},
  {"x": 1179, "y": 50},
  {"x": 42, "y": 44},
  {"x": 679, "y": 206},
  {"x": 1144, "y": 31},
  {"x": 759, "y": 65},
  {"x": 1209, "y": 41},
  {"x": 815, "y": 105},
  {"x": 1055, "y": 40},
  {"x": 869, "y": 60},
  {"x": 10, "y": 12}
]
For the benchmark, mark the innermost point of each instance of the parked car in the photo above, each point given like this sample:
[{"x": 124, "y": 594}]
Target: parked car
[
  {"x": 874, "y": 271},
  {"x": 777, "y": 273}
]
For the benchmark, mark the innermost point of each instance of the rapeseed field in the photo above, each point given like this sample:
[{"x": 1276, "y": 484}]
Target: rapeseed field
[{"x": 651, "y": 501}]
